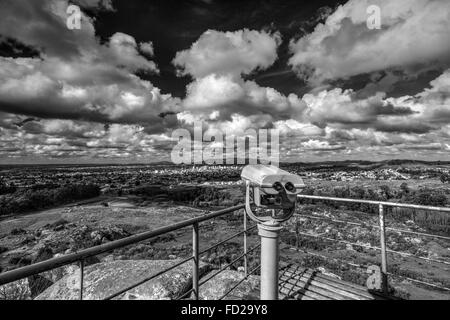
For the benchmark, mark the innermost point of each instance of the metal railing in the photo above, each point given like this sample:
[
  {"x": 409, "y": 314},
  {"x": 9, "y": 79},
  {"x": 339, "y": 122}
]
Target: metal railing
[
  {"x": 81, "y": 256},
  {"x": 382, "y": 233}
]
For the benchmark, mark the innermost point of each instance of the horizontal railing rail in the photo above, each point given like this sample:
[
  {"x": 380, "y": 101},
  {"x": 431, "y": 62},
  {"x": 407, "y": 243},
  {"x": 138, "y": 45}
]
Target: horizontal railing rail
[
  {"x": 53, "y": 263},
  {"x": 80, "y": 256},
  {"x": 376, "y": 202},
  {"x": 405, "y": 254},
  {"x": 382, "y": 231},
  {"x": 375, "y": 226}
]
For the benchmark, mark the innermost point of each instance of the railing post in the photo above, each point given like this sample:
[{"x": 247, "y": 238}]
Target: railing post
[
  {"x": 269, "y": 233},
  {"x": 81, "y": 278},
  {"x": 384, "y": 279},
  {"x": 195, "y": 266},
  {"x": 245, "y": 245}
]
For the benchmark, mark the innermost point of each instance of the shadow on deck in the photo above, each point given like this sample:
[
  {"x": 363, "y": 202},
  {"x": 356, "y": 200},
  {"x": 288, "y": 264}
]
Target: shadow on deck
[{"x": 297, "y": 283}]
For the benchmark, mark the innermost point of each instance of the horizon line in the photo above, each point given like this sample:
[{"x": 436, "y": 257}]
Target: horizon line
[{"x": 204, "y": 164}]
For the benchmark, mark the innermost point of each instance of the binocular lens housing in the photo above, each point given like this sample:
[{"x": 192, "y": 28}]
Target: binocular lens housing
[
  {"x": 289, "y": 187},
  {"x": 278, "y": 186}
]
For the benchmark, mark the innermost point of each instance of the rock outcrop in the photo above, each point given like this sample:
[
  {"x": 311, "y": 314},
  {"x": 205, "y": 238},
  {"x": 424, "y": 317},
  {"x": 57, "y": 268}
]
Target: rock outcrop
[
  {"x": 17, "y": 290},
  {"x": 216, "y": 287},
  {"x": 104, "y": 279}
]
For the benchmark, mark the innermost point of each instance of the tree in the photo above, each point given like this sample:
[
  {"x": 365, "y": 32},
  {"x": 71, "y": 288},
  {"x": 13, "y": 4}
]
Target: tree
[
  {"x": 404, "y": 189},
  {"x": 385, "y": 192},
  {"x": 428, "y": 197},
  {"x": 5, "y": 189}
]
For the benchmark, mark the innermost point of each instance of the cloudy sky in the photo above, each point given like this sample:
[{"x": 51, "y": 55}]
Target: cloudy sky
[{"x": 115, "y": 89}]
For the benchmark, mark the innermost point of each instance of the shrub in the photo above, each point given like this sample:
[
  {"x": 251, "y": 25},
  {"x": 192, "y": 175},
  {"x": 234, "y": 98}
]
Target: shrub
[
  {"x": 28, "y": 200},
  {"x": 6, "y": 189},
  {"x": 17, "y": 231},
  {"x": 212, "y": 195},
  {"x": 428, "y": 197},
  {"x": 43, "y": 254},
  {"x": 19, "y": 261},
  {"x": 58, "y": 223}
]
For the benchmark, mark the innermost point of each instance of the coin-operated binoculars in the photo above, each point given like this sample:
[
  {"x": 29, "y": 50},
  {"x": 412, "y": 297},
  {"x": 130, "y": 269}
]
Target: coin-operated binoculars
[{"x": 268, "y": 188}]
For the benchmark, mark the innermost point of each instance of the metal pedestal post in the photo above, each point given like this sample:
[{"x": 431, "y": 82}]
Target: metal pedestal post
[{"x": 269, "y": 232}]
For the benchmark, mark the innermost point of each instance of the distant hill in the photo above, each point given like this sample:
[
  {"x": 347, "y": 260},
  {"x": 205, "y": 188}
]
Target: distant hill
[{"x": 320, "y": 164}]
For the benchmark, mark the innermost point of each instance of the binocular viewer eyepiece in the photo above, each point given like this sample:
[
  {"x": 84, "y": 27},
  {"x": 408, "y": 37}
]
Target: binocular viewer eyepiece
[
  {"x": 289, "y": 186},
  {"x": 271, "y": 188}
]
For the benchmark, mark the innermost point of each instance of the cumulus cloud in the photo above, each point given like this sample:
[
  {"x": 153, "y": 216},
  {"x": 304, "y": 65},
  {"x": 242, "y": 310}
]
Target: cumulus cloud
[
  {"x": 434, "y": 102},
  {"x": 427, "y": 111},
  {"x": 76, "y": 77},
  {"x": 147, "y": 48},
  {"x": 324, "y": 121},
  {"x": 42, "y": 25},
  {"x": 124, "y": 51},
  {"x": 77, "y": 97},
  {"x": 432, "y": 105},
  {"x": 340, "y": 106},
  {"x": 226, "y": 95},
  {"x": 239, "y": 52},
  {"x": 219, "y": 95},
  {"x": 38, "y": 87},
  {"x": 298, "y": 131},
  {"x": 54, "y": 138},
  {"x": 337, "y": 122},
  {"x": 318, "y": 145},
  {"x": 414, "y": 34}
]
